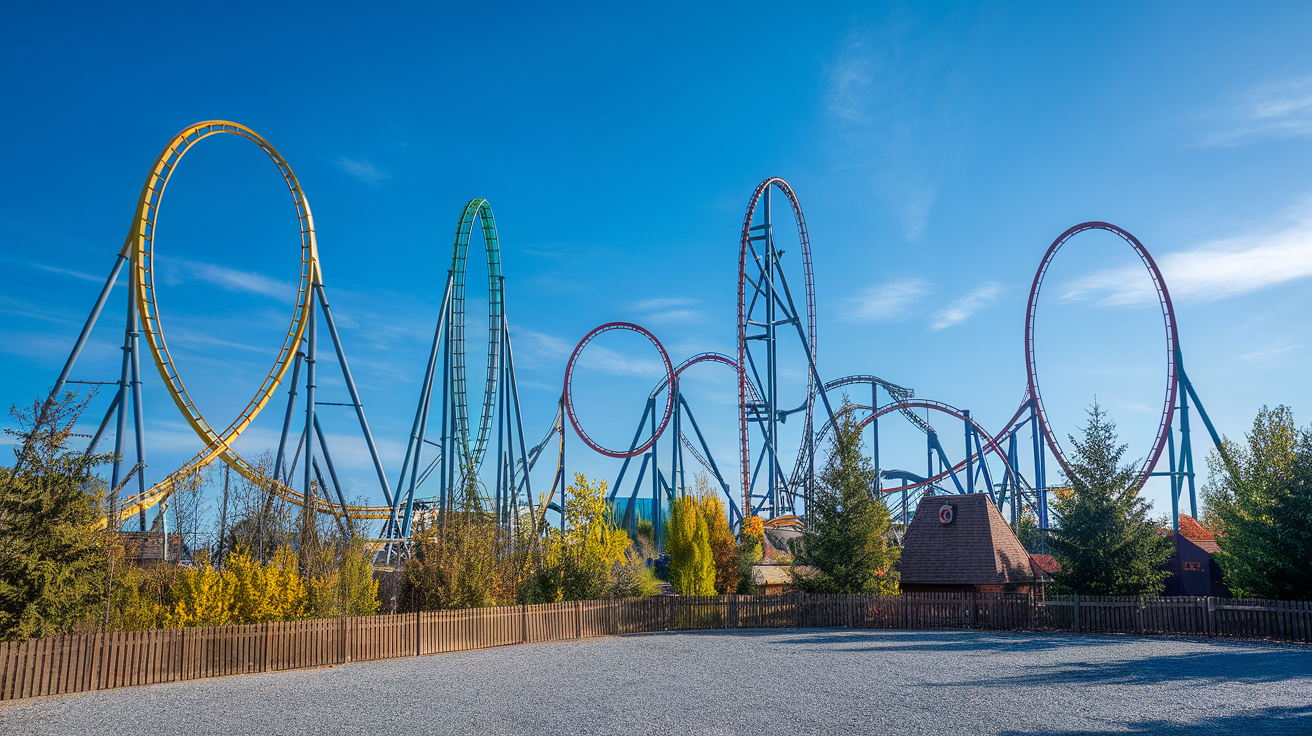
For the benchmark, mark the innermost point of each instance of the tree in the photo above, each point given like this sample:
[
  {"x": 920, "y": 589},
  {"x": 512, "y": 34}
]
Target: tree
[
  {"x": 582, "y": 562},
  {"x": 53, "y": 551},
  {"x": 462, "y": 560},
  {"x": 688, "y": 542},
  {"x": 724, "y": 548},
  {"x": 846, "y": 535},
  {"x": 1106, "y": 543},
  {"x": 1262, "y": 510},
  {"x": 1027, "y": 532},
  {"x": 751, "y": 537}
]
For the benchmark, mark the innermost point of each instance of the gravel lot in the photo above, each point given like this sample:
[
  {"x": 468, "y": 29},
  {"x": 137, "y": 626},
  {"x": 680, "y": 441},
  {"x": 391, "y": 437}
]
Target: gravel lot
[{"x": 796, "y": 681}]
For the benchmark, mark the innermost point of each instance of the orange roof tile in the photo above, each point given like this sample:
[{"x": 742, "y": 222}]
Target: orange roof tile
[
  {"x": 1045, "y": 564},
  {"x": 1193, "y": 531}
]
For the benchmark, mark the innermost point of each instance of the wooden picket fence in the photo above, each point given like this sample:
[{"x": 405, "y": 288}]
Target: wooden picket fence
[{"x": 57, "y": 665}]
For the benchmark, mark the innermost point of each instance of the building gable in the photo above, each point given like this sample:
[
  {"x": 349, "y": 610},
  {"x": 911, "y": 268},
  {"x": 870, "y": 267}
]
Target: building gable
[{"x": 976, "y": 547}]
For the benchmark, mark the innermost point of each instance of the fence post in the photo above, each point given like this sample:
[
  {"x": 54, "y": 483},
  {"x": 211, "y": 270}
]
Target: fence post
[
  {"x": 523, "y": 623},
  {"x": 1210, "y": 622},
  {"x": 1075, "y": 605},
  {"x": 578, "y": 619},
  {"x": 974, "y": 611}
]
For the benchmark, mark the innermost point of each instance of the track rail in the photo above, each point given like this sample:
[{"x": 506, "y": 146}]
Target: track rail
[
  {"x": 746, "y": 251},
  {"x": 1172, "y": 342},
  {"x": 139, "y": 247},
  {"x": 669, "y": 382}
]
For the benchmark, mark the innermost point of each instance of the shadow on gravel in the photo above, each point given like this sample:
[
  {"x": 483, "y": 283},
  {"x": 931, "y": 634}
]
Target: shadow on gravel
[
  {"x": 942, "y": 641},
  {"x": 1292, "y": 720},
  {"x": 1237, "y": 665}
]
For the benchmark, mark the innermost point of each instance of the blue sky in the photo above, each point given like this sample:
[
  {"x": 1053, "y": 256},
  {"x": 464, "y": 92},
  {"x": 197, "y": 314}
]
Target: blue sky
[{"x": 937, "y": 150}]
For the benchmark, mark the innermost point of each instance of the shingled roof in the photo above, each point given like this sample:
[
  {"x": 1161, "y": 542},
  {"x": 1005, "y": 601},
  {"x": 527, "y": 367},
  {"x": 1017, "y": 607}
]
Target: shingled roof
[
  {"x": 1198, "y": 534},
  {"x": 976, "y": 548}
]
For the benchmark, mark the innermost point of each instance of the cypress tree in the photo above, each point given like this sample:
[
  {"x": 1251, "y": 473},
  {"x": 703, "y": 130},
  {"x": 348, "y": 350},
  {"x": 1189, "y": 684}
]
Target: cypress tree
[
  {"x": 1106, "y": 543},
  {"x": 688, "y": 542},
  {"x": 723, "y": 546}
]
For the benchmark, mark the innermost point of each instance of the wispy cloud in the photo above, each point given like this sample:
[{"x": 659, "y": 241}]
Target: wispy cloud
[
  {"x": 362, "y": 169},
  {"x": 541, "y": 343},
  {"x": 674, "y": 315},
  {"x": 176, "y": 272},
  {"x": 28, "y": 310},
  {"x": 891, "y": 100},
  {"x": 203, "y": 338},
  {"x": 1261, "y": 354},
  {"x": 961, "y": 309},
  {"x": 885, "y": 302},
  {"x": 605, "y": 360},
  {"x": 74, "y": 274},
  {"x": 665, "y": 310},
  {"x": 1275, "y": 110},
  {"x": 664, "y": 303},
  {"x": 1214, "y": 270},
  {"x": 851, "y": 77},
  {"x": 540, "y": 349}
]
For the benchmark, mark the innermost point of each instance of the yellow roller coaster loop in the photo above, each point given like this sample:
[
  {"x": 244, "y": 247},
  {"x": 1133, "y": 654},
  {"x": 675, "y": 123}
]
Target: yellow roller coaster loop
[{"x": 140, "y": 249}]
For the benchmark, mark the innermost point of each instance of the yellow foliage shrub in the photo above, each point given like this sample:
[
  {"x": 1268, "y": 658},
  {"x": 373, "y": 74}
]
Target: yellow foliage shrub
[{"x": 246, "y": 591}]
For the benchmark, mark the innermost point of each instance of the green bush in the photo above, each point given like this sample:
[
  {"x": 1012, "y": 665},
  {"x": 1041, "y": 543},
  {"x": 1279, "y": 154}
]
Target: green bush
[{"x": 688, "y": 542}]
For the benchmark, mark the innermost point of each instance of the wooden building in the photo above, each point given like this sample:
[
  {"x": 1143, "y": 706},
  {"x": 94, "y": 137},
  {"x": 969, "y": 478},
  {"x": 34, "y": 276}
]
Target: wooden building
[
  {"x": 147, "y": 548},
  {"x": 1193, "y": 569},
  {"x": 962, "y": 543}
]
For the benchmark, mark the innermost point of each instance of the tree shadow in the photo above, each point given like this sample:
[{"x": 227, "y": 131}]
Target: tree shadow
[
  {"x": 1274, "y": 720},
  {"x": 1222, "y": 665},
  {"x": 943, "y": 640}
]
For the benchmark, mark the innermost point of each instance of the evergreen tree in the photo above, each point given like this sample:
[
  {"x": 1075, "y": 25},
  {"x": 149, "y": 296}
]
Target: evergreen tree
[
  {"x": 1027, "y": 532},
  {"x": 1263, "y": 509},
  {"x": 53, "y": 552},
  {"x": 846, "y": 539},
  {"x": 1106, "y": 543},
  {"x": 688, "y": 542}
]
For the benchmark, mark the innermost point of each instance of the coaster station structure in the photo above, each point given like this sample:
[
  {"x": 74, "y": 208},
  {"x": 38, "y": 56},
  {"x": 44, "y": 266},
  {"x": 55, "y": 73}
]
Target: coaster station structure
[{"x": 991, "y": 463}]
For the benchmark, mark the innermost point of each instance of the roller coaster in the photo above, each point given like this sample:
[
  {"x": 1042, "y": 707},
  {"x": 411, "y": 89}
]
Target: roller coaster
[
  {"x": 768, "y": 315},
  {"x": 445, "y": 462}
]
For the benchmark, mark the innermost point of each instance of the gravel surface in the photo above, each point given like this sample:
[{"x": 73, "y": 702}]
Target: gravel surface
[{"x": 764, "y": 683}]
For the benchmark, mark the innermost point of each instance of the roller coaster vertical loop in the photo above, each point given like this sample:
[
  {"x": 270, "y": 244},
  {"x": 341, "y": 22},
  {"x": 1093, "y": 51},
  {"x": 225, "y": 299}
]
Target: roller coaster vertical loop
[
  {"x": 480, "y": 209},
  {"x": 460, "y": 457},
  {"x": 670, "y": 388},
  {"x": 1172, "y": 343},
  {"x": 140, "y": 246},
  {"x": 144, "y": 317},
  {"x": 763, "y": 288}
]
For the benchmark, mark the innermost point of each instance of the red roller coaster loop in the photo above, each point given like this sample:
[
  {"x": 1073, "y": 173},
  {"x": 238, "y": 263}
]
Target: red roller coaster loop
[
  {"x": 745, "y": 250},
  {"x": 669, "y": 379},
  {"x": 1172, "y": 341}
]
